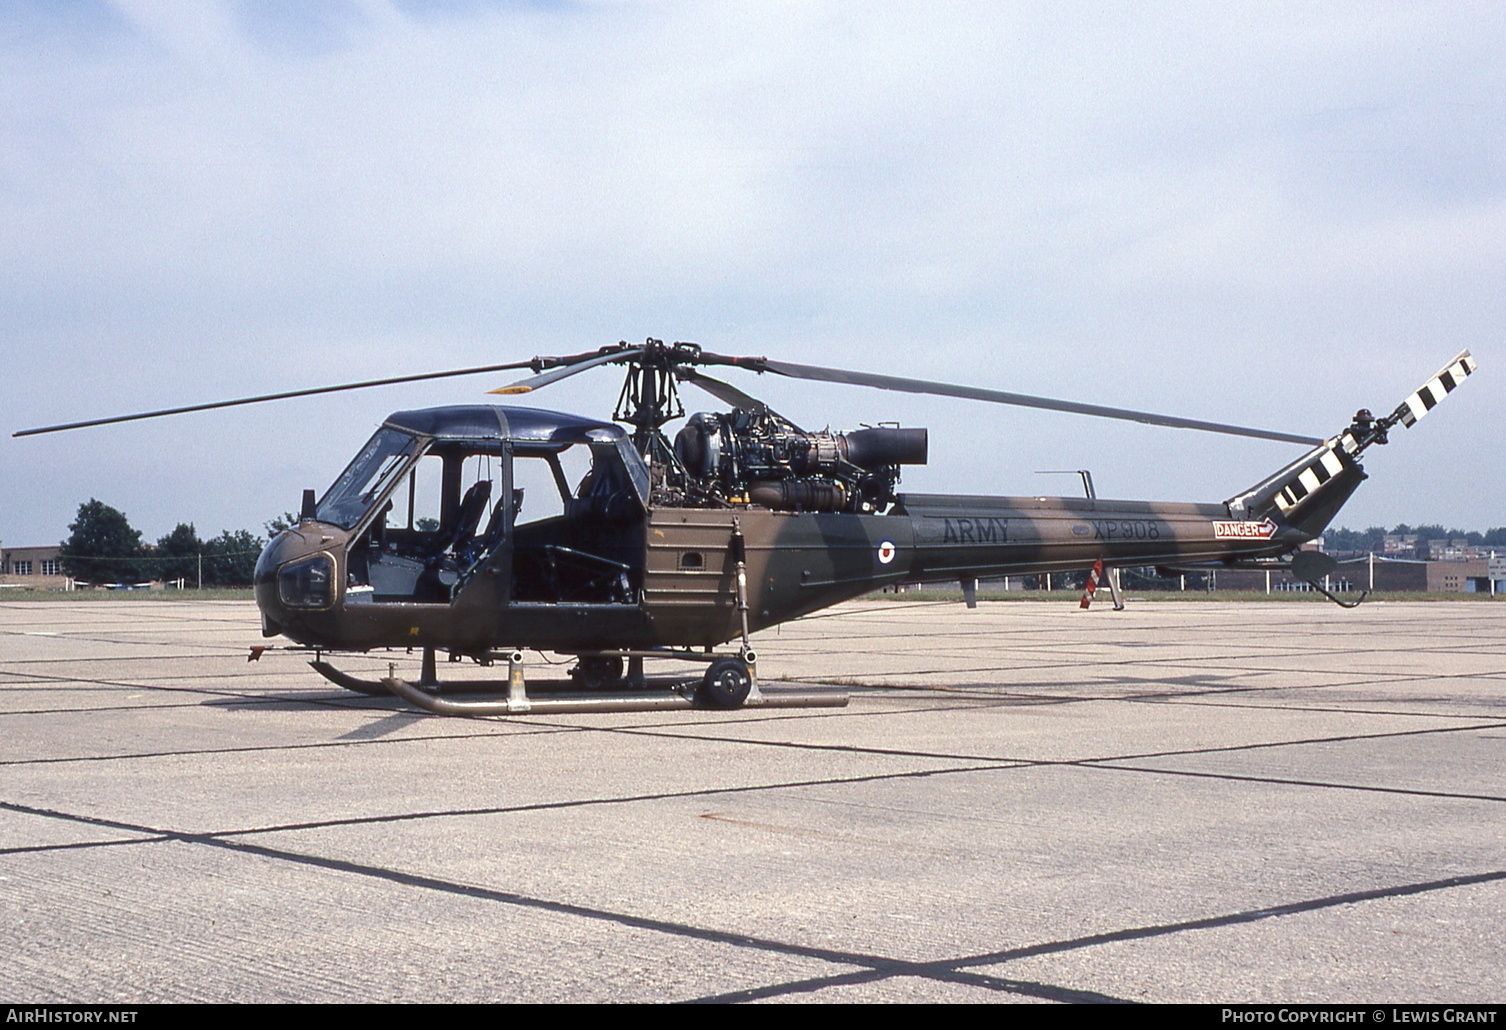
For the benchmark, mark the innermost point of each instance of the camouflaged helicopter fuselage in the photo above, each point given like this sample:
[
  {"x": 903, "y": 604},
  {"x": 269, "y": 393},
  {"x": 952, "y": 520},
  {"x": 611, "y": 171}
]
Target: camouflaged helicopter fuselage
[
  {"x": 616, "y": 572},
  {"x": 796, "y": 563}
]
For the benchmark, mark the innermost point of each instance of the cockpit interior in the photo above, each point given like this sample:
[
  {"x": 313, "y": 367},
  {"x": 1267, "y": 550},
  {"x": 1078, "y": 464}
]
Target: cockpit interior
[{"x": 556, "y": 505}]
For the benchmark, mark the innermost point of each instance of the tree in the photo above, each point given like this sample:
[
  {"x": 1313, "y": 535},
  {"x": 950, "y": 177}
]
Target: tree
[
  {"x": 179, "y": 554},
  {"x": 1341, "y": 540},
  {"x": 1430, "y": 532},
  {"x": 287, "y": 520},
  {"x": 103, "y": 548},
  {"x": 230, "y": 559}
]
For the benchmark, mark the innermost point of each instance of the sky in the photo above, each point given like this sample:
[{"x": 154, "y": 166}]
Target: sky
[{"x": 1270, "y": 214}]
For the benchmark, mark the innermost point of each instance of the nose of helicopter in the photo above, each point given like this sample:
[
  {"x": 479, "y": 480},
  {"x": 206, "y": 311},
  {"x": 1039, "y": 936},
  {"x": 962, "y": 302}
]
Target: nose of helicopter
[{"x": 296, "y": 574}]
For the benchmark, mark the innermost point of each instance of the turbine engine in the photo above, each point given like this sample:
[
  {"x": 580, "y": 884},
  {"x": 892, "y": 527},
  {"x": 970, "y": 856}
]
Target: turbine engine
[{"x": 757, "y": 456}]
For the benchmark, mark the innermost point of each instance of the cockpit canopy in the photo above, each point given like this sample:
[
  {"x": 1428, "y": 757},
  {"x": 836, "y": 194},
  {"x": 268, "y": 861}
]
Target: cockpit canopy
[{"x": 450, "y": 436}]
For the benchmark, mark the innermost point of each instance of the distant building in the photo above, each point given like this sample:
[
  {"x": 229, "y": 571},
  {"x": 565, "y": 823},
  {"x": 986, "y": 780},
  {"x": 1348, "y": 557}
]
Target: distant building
[
  {"x": 1467, "y": 576},
  {"x": 37, "y": 568},
  {"x": 1450, "y": 550}
]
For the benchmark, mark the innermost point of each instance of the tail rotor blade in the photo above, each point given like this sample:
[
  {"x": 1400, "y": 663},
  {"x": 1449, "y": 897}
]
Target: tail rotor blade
[{"x": 1427, "y": 396}]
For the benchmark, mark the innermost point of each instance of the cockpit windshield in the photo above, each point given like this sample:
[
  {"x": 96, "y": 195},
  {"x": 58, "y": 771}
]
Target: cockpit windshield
[{"x": 366, "y": 478}]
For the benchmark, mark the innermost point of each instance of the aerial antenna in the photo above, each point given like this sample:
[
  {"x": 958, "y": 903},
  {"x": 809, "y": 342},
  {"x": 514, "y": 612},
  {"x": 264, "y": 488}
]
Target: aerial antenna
[{"x": 1087, "y": 479}]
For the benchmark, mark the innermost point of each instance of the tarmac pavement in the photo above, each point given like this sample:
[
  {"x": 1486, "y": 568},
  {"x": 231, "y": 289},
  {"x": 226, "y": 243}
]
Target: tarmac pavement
[{"x": 1186, "y": 801}]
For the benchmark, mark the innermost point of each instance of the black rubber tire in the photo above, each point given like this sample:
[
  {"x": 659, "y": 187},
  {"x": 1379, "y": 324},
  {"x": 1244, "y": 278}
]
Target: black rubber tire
[
  {"x": 726, "y": 684},
  {"x": 597, "y": 672}
]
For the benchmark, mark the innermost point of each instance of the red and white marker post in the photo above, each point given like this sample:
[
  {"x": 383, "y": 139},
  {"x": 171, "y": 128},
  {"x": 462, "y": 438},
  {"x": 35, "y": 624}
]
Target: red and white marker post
[{"x": 1094, "y": 578}]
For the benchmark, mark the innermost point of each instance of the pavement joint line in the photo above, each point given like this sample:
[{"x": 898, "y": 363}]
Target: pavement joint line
[
  {"x": 101, "y": 709},
  {"x": 1006, "y": 763},
  {"x": 213, "y": 699},
  {"x": 1205, "y": 701},
  {"x": 869, "y": 611},
  {"x": 1137, "y": 933},
  {"x": 525, "y": 731},
  {"x": 1268, "y": 744},
  {"x": 990, "y": 765},
  {"x": 221, "y": 702},
  {"x": 1012, "y": 689},
  {"x": 1285, "y": 781},
  {"x": 1013, "y": 693},
  {"x": 327, "y": 699},
  {"x": 629, "y": 799},
  {"x": 987, "y": 764},
  {"x": 1028, "y": 988},
  {"x": 849, "y": 749},
  {"x": 881, "y": 966},
  {"x": 82, "y": 681},
  {"x": 119, "y": 658},
  {"x": 663, "y": 728},
  {"x": 343, "y": 701},
  {"x": 1380, "y": 677},
  {"x": 662, "y": 731},
  {"x": 1235, "y": 918},
  {"x": 960, "y": 653},
  {"x": 82, "y": 845},
  {"x": 993, "y": 699},
  {"x": 498, "y": 809},
  {"x": 40, "y": 680},
  {"x": 210, "y": 650},
  {"x": 1193, "y": 662},
  {"x": 1264, "y": 745}
]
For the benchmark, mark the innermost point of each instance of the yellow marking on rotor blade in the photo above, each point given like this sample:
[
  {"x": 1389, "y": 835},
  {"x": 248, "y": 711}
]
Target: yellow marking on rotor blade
[{"x": 520, "y": 388}]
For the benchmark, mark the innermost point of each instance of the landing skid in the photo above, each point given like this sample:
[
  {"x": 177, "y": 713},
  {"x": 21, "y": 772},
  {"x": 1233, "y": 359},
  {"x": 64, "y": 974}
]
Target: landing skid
[
  {"x": 378, "y": 688},
  {"x": 730, "y": 682},
  {"x": 1339, "y": 600}
]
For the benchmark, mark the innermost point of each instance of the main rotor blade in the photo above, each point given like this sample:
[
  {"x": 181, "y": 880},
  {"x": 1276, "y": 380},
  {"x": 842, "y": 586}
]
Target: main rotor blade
[
  {"x": 275, "y": 397},
  {"x": 975, "y": 393},
  {"x": 724, "y": 392},
  {"x": 554, "y": 375}
]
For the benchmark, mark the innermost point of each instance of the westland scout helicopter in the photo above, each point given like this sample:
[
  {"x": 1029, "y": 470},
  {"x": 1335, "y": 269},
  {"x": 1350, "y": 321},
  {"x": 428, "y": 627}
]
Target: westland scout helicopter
[{"x": 479, "y": 530}]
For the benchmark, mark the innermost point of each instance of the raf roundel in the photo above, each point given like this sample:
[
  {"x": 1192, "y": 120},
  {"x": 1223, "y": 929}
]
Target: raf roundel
[{"x": 886, "y": 552}]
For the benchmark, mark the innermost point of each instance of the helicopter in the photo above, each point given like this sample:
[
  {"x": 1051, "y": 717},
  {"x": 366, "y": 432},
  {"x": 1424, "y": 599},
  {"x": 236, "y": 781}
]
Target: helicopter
[{"x": 480, "y": 530}]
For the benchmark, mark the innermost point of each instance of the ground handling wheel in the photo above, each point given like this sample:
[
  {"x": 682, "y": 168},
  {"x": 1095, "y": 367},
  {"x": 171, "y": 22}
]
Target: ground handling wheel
[
  {"x": 726, "y": 684},
  {"x": 597, "y": 672}
]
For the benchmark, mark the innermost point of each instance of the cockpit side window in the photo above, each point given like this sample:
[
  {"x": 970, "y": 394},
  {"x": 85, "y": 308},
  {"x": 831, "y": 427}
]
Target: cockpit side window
[
  {"x": 543, "y": 480},
  {"x": 442, "y": 516},
  {"x": 579, "y": 480},
  {"x": 366, "y": 478}
]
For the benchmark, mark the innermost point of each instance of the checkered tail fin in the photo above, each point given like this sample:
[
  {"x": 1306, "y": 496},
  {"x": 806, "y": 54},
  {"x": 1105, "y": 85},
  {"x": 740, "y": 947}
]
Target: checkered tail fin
[{"x": 1309, "y": 491}]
